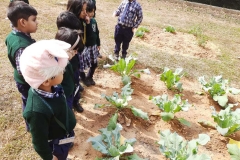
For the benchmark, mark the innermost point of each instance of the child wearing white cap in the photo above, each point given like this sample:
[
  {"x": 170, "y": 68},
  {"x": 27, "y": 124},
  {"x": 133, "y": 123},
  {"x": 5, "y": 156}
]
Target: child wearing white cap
[{"x": 50, "y": 120}]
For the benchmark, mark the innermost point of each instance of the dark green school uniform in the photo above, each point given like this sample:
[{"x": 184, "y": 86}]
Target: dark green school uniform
[
  {"x": 43, "y": 126},
  {"x": 68, "y": 80}
]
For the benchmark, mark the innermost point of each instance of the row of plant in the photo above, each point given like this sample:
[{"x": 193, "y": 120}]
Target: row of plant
[{"x": 227, "y": 121}]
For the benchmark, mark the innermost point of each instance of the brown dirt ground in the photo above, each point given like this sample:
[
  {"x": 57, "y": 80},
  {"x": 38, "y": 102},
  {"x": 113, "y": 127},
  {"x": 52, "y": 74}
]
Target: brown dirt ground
[{"x": 146, "y": 132}]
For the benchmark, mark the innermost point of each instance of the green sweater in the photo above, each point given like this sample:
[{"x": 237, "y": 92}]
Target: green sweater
[
  {"x": 68, "y": 80},
  {"x": 93, "y": 36},
  {"x": 43, "y": 127},
  {"x": 14, "y": 42}
]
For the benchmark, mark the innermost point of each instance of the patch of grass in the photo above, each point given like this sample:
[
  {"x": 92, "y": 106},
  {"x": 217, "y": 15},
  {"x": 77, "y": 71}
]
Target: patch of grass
[
  {"x": 198, "y": 33},
  {"x": 170, "y": 29},
  {"x": 141, "y": 31}
]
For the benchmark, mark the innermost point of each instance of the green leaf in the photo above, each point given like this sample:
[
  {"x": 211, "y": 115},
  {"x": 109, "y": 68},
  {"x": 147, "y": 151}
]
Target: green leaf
[
  {"x": 126, "y": 79},
  {"x": 234, "y": 151},
  {"x": 130, "y": 66},
  {"x": 129, "y": 149},
  {"x": 234, "y": 91},
  {"x": 167, "y": 116},
  {"x": 99, "y": 106},
  {"x": 203, "y": 139},
  {"x": 139, "y": 113},
  {"x": 222, "y": 100},
  {"x": 112, "y": 122},
  {"x": 98, "y": 144},
  {"x": 113, "y": 151},
  {"x": 134, "y": 157},
  {"x": 184, "y": 121}
]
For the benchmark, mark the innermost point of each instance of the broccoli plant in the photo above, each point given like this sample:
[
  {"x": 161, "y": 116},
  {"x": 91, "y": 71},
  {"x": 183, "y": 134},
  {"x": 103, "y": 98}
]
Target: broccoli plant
[
  {"x": 112, "y": 144},
  {"x": 121, "y": 101},
  {"x": 170, "y": 107},
  {"x": 218, "y": 89},
  {"x": 174, "y": 147},
  {"x": 141, "y": 31},
  {"x": 125, "y": 69},
  {"x": 234, "y": 151},
  {"x": 172, "y": 79},
  {"x": 170, "y": 29},
  {"x": 227, "y": 121}
]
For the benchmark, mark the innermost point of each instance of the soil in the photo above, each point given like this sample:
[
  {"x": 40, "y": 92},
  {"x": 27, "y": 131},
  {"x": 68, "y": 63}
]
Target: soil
[{"x": 146, "y": 132}]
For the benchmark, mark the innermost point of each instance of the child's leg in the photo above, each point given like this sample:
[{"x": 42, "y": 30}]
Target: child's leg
[
  {"x": 61, "y": 151},
  {"x": 77, "y": 94},
  {"x": 91, "y": 72},
  {"x": 128, "y": 34},
  {"x": 23, "y": 89},
  {"x": 118, "y": 37}
]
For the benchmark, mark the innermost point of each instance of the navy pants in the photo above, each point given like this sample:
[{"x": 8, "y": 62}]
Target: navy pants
[
  {"x": 60, "y": 151},
  {"x": 122, "y": 35},
  {"x": 23, "y": 89},
  {"x": 77, "y": 95}
]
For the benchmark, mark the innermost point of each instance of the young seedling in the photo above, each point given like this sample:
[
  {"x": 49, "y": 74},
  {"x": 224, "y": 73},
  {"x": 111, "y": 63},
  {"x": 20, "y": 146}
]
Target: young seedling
[
  {"x": 218, "y": 89},
  {"x": 172, "y": 79},
  {"x": 121, "y": 101},
  {"x": 125, "y": 69},
  {"x": 234, "y": 151},
  {"x": 174, "y": 147},
  {"x": 141, "y": 31},
  {"x": 227, "y": 121},
  {"x": 112, "y": 144},
  {"x": 170, "y": 29},
  {"x": 170, "y": 107}
]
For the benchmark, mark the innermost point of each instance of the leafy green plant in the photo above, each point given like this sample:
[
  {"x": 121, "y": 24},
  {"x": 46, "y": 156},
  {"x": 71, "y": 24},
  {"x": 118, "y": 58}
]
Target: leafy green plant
[
  {"x": 170, "y": 107},
  {"x": 234, "y": 151},
  {"x": 112, "y": 144},
  {"x": 227, "y": 121},
  {"x": 218, "y": 89},
  {"x": 198, "y": 33},
  {"x": 125, "y": 68},
  {"x": 172, "y": 79},
  {"x": 141, "y": 31},
  {"x": 170, "y": 29},
  {"x": 174, "y": 147},
  {"x": 121, "y": 101}
]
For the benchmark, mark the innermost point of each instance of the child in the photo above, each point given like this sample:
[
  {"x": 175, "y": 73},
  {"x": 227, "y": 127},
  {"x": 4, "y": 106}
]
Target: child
[
  {"x": 51, "y": 121},
  {"x": 26, "y": 1},
  {"x": 23, "y": 18},
  {"x": 129, "y": 18},
  {"x": 78, "y": 7},
  {"x": 69, "y": 20},
  {"x": 68, "y": 83},
  {"x": 92, "y": 43}
]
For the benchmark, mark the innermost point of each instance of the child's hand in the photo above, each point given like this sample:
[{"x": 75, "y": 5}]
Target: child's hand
[
  {"x": 134, "y": 30},
  {"x": 87, "y": 19},
  {"x": 54, "y": 158},
  {"x": 114, "y": 14},
  {"x": 98, "y": 47}
]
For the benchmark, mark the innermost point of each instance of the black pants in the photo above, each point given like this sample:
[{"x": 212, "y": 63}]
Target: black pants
[
  {"x": 90, "y": 72},
  {"x": 122, "y": 35}
]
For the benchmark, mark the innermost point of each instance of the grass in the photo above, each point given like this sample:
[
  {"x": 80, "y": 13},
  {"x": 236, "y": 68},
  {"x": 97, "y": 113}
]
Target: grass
[{"x": 221, "y": 29}]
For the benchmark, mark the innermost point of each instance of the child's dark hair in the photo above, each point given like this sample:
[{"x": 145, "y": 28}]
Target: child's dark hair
[
  {"x": 91, "y": 6},
  {"x": 75, "y": 6},
  {"x": 18, "y": 10},
  {"x": 69, "y": 20},
  {"x": 26, "y": 1},
  {"x": 70, "y": 36}
]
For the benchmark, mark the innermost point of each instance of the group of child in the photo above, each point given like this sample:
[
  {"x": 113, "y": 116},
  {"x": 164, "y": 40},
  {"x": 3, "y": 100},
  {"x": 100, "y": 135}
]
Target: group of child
[{"x": 48, "y": 72}]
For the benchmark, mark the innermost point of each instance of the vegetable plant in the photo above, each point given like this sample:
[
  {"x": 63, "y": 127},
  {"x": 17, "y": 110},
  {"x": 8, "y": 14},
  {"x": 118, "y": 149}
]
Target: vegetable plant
[
  {"x": 171, "y": 79},
  {"x": 121, "y": 101},
  {"x": 234, "y": 151},
  {"x": 170, "y": 29},
  {"x": 218, "y": 89},
  {"x": 228, "y": 121},
  {"x": 125, "y": 69},
  {"x": 140, "y": 31},
  {"x": 112, "y": 144},
  {"x": 170, "y": 107},
  {"x": 174, "y": 147}
]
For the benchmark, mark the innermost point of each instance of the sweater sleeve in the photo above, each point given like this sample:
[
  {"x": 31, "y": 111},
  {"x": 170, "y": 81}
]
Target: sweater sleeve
[
  {"x": 98, "y": 38},
  {"x": 139, "y": 17},
  {"x": 39, "y": 130}
]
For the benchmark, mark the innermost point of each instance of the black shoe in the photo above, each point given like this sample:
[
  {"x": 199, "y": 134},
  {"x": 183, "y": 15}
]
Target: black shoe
[
  {"x": 116, "y": 56},
  {"x": 91, "y": 81},
  {"x": 78, "y": 108},
  {"x": 86, "y": 82}
]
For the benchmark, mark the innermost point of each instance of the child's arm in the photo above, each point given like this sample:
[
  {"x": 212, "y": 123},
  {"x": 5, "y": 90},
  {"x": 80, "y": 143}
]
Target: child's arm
[
  {"x": 17, "y": 59},
  {"x": 119, "y": 10},
  {"x": 39, "y": 130},
  {"x": 139, "y": 17},
  {"x": 98, "y": 38}
]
